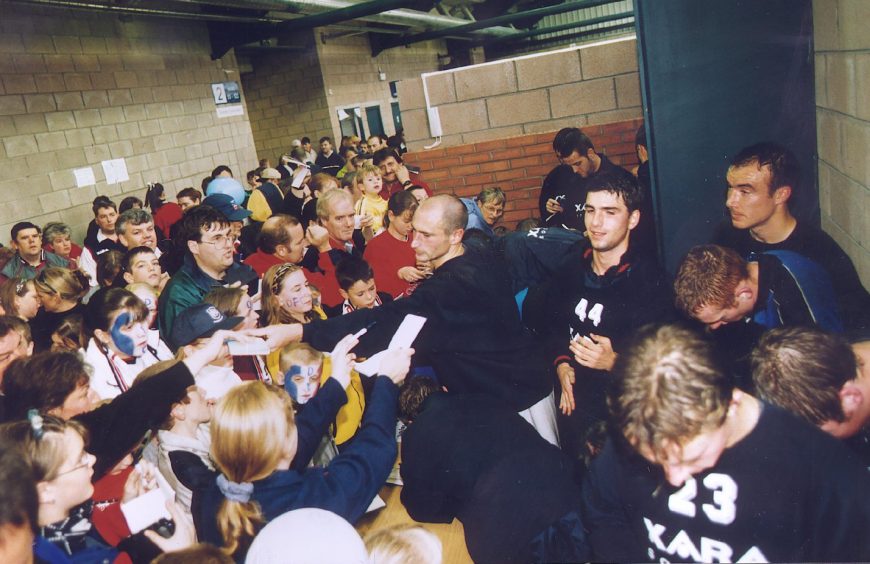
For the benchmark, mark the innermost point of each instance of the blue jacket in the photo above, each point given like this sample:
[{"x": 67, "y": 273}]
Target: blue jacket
[
  {"x": 475, "y": 217},
  {"x": 345, "y": 487}
]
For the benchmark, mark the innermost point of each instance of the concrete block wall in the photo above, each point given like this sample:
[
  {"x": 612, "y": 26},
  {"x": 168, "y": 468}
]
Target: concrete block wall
[
  {"x": 286, "y": 100},
  {"x": 350, "y": 74},
  {"x": 296, "y": 94},
  {"x": 580, "y": 86},
  {"x": 842, "y": 69},
  {"x": 77, "y": 89},
  {"x": 518, "y": 165}
]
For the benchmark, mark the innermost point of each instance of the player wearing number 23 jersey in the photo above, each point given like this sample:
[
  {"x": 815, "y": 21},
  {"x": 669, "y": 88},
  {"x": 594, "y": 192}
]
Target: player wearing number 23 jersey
[{"x": 699, "y": 471}]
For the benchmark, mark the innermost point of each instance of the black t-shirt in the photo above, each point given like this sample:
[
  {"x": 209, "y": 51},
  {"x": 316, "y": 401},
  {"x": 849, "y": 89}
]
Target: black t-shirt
[
  {"x": 45, "y": 322},
  {"x": 785, "y": 493}
]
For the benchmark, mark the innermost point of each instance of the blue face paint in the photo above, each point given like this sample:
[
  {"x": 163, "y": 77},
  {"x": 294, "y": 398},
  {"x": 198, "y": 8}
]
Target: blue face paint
[
  {"x": 302, "y": 382},
  {"x": 122, "y": 341}
]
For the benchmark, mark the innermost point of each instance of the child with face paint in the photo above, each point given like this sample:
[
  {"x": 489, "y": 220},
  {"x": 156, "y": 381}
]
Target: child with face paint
[
  {"x": 119, "y": 348},
  {"x": 304, "y": 369}
]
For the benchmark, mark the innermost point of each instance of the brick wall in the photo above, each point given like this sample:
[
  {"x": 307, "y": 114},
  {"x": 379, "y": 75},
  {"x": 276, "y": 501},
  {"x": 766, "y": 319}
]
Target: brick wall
[
  {"x": 842, "y": 68},
  {"x": 518, "y": 165},
  {"x": 586, "y": 85},
  {"x": 77, "y": 89}
]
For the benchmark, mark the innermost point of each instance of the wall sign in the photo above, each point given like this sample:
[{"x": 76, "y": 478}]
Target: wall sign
[{"x": 226, "y": 93}]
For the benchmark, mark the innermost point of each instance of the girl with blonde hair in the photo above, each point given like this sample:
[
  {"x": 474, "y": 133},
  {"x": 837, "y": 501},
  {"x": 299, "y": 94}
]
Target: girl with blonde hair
[
  {"x": 287, "y": 299},
  {"x": 258, "y": 448},
  {"x": 55, "y": 451}
]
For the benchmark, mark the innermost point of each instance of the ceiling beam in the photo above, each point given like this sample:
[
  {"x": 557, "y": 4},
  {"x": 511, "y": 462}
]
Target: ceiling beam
[
  {"x": 553, "y": 29},
  {"x": 542, "y": 43},
  {"x": 482, "y": 24}
]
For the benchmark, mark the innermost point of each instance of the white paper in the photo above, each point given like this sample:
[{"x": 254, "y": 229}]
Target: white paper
[
  {"x": 115, "y": 171},
  {"x": 403, "y": 338},
  {"x": 299, "y": 177},
  {"x": 376, "y": 504},
  {"x": 407, "y": 332},
  {"x": 252, "y": 348},
  {"x": 84, "y": 177},
  {"x": 145, "y": 510},
  {"x": 231, "y": 110}
]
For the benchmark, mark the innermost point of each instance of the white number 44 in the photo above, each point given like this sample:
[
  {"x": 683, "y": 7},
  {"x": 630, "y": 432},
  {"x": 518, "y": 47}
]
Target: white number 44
[{"x": 594, "y": 313}]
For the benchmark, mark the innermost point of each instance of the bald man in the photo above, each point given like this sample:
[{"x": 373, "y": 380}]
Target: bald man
[{"x": 473, "y": 337}]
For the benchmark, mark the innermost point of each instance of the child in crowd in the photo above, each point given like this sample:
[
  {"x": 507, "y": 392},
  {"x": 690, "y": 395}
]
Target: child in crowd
[
  {"x": 192, "y": 330},
  {"x": 304, "y": 370},
  {"x": 390, "y": 253},
  {"x": 141, "y": 264},
  {"x": 183, "y": 439},
  {"x": 18, "y": 297},
  {"x": 55, "y": 451},
  {"x": 370, "y": 181},
  {"x": 255, "y": 439},
  {"x": 119, "y": 346},
  {"x": 356, "y": 283},
  {"x": 403, "y": 543}
]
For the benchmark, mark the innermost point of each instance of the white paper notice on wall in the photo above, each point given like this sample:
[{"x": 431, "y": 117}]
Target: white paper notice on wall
[
  {"x": 232, "y": 110},
  {"x": 115, "y": 171},
  {"x": 84, "y": 177}
]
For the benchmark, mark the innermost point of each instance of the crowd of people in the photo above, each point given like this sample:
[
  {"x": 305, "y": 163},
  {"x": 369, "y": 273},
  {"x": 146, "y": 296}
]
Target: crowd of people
[{"x": 565, "y": 399}]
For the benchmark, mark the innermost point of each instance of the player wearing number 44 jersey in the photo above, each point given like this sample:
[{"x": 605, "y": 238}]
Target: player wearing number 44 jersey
[
  {"x": 704, "y": 472},
  {"x": 599, "y": 296}
]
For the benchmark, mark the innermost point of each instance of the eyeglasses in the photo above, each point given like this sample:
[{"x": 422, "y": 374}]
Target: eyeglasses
[
  {"x": 220, "y": 241},
  {"x": 84, "y": 462}
]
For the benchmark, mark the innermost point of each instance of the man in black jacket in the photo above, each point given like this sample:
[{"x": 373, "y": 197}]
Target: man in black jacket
[
  {"x": 473, "y": 336},
  {"x": 328, "y": 160},
  {"x": 762, "y": 181},
  {"x": 473, "y": 458}
]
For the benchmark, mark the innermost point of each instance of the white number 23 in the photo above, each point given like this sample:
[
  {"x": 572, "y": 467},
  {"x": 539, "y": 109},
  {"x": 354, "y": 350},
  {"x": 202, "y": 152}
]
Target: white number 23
[{"x": 723, "y": 510}]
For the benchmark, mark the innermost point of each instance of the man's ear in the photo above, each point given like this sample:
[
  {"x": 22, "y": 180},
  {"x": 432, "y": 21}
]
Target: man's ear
[
  {"x": 128, "y": 278},
  {"x": 851, "y": 399},
  {"x": 193, "y": 247},
  {"x": 590, "y": 153},
  {"x": 282, "y": 250},
  {"x": 456, "y": 236},
  {"x": 122, "y": 240},
  {"x": 633, "y": 219},
  {"x": 743, "y": 292},
  {"x": 13, "y": 244},
  {"x": 781, "y": 195},
  {"x": 343, "y": 294},
  {"x": 29, "y": 348}
]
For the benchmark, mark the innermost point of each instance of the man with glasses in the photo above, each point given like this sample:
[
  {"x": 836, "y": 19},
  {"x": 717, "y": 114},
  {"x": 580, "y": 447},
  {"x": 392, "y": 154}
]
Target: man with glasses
[
  {"x": 485, "y": 210},
  {"x": 204, "y": 233}
]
